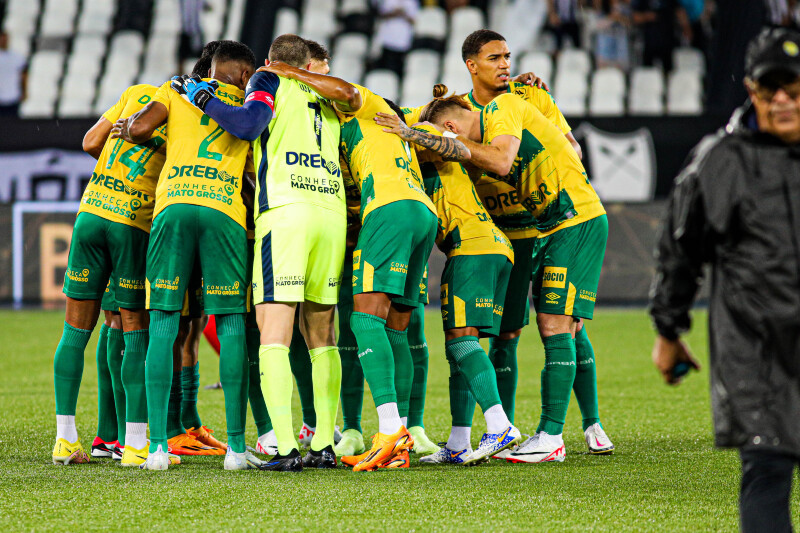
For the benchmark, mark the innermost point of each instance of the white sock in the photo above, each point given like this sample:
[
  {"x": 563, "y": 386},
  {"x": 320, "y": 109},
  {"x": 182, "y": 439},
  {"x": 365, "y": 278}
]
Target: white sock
[
  {"x": 496, "y": 419},
  {"x": 65, "y": 428},
  {"x": 389, "y": 419},
  {"x": 459, "y": 438},
  {"x": 404, "y": 420},
  {"x": 136, "y": 435}
]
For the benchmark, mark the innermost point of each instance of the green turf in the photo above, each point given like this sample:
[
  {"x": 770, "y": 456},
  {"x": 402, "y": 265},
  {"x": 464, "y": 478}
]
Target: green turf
[{"x": 664, "y": 476}]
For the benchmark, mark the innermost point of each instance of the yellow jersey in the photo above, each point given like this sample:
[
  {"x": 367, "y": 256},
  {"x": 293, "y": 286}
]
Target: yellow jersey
[
  {"x": 123, "y": 185},
  {"x": 465, "y": 227},
  {"x": 204, "y": 162},
  {"x": 501, "y": 199},
  {"x": 381, "y": 165},
  {"x": 547, "y": 173}
]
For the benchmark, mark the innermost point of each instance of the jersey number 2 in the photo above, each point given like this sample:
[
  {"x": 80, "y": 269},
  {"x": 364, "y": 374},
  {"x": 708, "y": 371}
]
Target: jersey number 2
[{"x": 203, "y": 151}]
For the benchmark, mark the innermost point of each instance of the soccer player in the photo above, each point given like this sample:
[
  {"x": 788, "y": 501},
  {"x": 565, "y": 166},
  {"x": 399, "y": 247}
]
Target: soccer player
[
  {"x": 109, "y": 240},
  {"x": 479, "y": 260},
  {"x": 397, "y": 235},
  {"x": 110, "y": 438},
  {"x": 300, "y": 232},
  {"x": 487, "y": 58},
  {"x": 515, "y": 143},
  {"x": 199, "y": 215}
]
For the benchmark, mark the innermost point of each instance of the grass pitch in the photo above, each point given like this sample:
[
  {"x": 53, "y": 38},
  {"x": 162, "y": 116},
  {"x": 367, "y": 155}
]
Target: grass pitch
[{"x": 664, "y": 476}]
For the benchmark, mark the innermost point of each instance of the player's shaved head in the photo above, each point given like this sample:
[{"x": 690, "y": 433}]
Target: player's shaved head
[
  {"x": 475, "y": 41},
  {"x": 290, "y": 49},
  {"x": 233, "y": 62}
]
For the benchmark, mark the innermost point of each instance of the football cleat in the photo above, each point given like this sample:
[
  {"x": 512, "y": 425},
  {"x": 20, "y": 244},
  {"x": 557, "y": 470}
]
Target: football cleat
[
  {"x": 185, "y": 444},
  {"x": 204, "y": 435},
  {"x": 65, "y": 453},
  {"x": 267, "y": 443},
  {"x": 491, "y": 443},
  {"x": 241, "y": 461},
  {"x": 383, "y": 448},
  {"x": 157, "y": 460},
  {"x": 401, "y": 460},
  {"x": 504, "y": 454},
  {"x": 422, "y": 444},
  {"x": 116, "y": 453},
  {"x": 102, "y": 449},
  {"x": 598, "y": 441},
  {"x": 541, "y": 448},
  {"x": 305, "y": 435},
  {"x": 325, "y": 458},
  {"x": 337, "y": 435},
  {"x": 133, "y": 457},
  {"x": 445, "y": 455},
  {"x": 214, "y": 386},
  {"x": 351, "y": 444},
  {"x": 284, "y": 463}
]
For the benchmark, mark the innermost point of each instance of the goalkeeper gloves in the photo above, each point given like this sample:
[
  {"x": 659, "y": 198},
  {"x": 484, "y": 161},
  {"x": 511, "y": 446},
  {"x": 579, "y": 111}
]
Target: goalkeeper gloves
[{"x": 194, "y": 89}]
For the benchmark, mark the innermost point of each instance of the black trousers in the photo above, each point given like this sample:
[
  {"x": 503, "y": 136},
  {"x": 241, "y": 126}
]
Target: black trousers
[{"x": 766, "y": 487}]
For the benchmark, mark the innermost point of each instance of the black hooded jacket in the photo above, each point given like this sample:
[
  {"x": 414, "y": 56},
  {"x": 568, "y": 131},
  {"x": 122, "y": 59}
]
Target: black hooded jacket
[{"x": 736, "y": 206}]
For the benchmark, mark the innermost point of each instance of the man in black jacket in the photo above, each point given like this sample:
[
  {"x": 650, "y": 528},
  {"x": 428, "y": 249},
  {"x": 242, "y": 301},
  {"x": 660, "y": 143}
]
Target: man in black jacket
[{"x": 736, "y": 205}]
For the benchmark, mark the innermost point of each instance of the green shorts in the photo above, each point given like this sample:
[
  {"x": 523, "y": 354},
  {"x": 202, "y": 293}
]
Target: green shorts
[
  {"x": 298, "y": 254},
  {"x": 567, "y": 268},
  {"x": 193, "y": 301},
  {"x": 109, "y": 302},
  {"x": 393, "y": 249},
  {"x": 101, "y": 249},
  {"x": 185, "y": 237},
  {"x": 516, "y": 308},
  {"x": 473, "y": 289}
]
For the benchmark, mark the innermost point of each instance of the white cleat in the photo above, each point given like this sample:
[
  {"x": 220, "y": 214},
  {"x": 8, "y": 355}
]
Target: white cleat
[
  {"x": 305, "y": 435},
  {"x": 241, "y": 461},
  {"x": 541, "y": 448},
  {"x": 505, "y": 453},
  {"x": 492, "y": 443},
  {"x": 267, "y": 443},
  {"x": 337, "y": 435},
  {"x": 597, "y": 440},
  {"x": 157, "y": 460},
  {"x": 447, "y": 456}
]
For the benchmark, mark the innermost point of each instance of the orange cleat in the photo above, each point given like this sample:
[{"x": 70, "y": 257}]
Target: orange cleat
[
  {"x": 353, "y": 460},
  {"x": 385, "y": 447},
  {"x": 185, "y": 444},
  {"x": 401, "y": 460},
  {"x": 204, "y": 435}
]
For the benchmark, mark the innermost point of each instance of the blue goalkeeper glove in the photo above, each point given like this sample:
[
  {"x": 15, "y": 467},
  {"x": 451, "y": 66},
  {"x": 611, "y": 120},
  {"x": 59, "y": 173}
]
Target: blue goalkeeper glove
[
  {"x": 199, "y": 92},
  {"x": 176, "y": 84}
]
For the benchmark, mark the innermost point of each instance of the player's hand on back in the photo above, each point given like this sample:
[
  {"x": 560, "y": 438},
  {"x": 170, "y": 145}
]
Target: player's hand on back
[
  {"x": 195, "y": 90},
  {"x": 392, "y": 124},
  {"x": 176, "y": 84},
  {"x": 280, "y": 68},
  {"x": 529, "y": 78},
  {"x": 120, "y": 130}
]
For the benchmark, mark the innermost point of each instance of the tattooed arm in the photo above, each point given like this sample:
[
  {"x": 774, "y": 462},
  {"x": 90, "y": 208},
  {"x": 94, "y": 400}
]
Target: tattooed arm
[{"x": 450, "y": 149}]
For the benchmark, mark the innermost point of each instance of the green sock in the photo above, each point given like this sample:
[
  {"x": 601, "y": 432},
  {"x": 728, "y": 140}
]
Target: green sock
[
  {"x": 462, "y": 403},
  {"x": 174, "y": 426},
  {"x": 300, "y": 361},
  {"x": 233, "y": 371},
  {"x": 419, "y": 355},
  {"x": 352, "y": 394},
  {"x": 403, "y": 369},
  {"x": 116, "y": 354},
  {"x": 326, "y": 370},
  {"x": 558, "y": 375},
  {"x": 190, "y": 383},
  {"x": 276, "y": 383},
  {"x": 503, "y": 354},
  {"x": 254, "y": 394},
  {"x": 133, "y": 375},
  {"x": 375, "y": 356},
  {"x": 585, "y": 385},
  {"x": 106, "y": 411},
  {"x": 158, "y": 373},
  {"x": 474, "y": 364},
  {"x": 68, "y": 368}
]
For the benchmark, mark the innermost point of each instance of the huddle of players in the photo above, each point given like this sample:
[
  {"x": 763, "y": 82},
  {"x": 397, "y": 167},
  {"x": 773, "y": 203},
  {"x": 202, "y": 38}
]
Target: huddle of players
[{"x": 526, "y": 173}]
